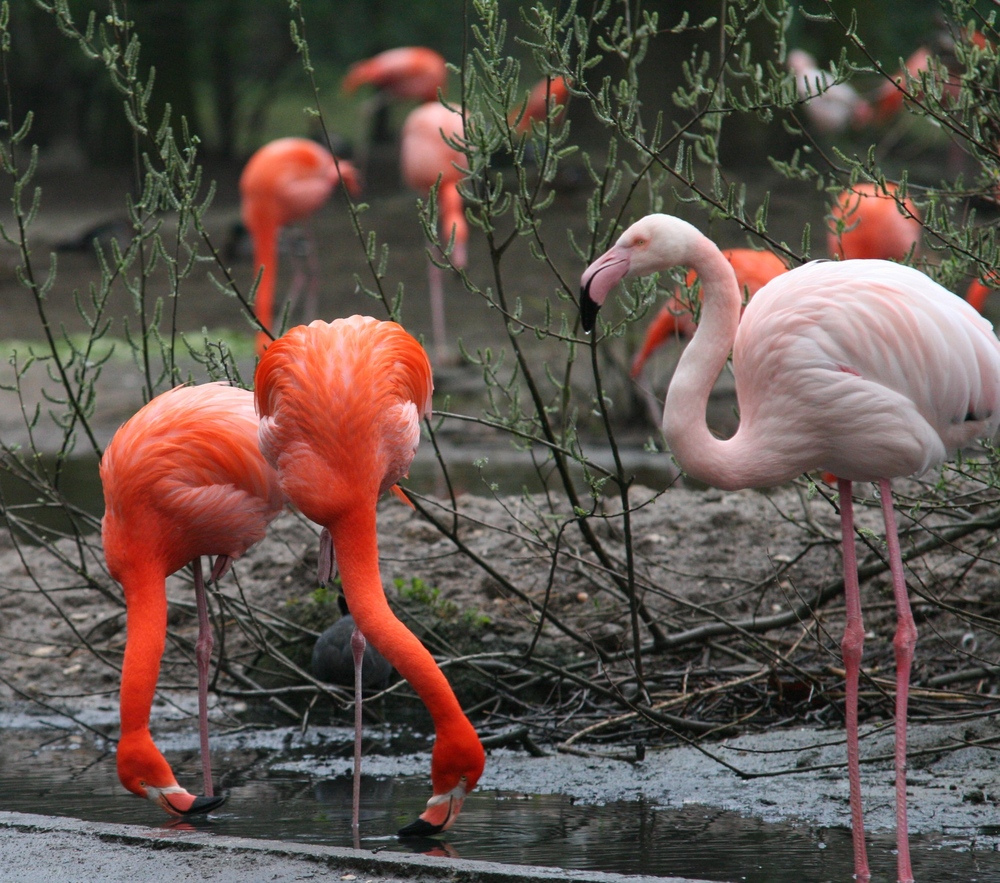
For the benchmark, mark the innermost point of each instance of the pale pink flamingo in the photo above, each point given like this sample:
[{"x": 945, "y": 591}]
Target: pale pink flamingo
[
  {"x": 831, "y": 107},
  {"x": 428, "y": 161},
  {"x": 866, "y": 369}
]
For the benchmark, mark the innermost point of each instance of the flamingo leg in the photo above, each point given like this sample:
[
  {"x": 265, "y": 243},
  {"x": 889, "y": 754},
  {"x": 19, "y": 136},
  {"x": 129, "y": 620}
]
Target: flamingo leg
[
  {"x": 327, "y": 562},
  {"x": 435, "y": 282},
  {"x": 851, "y": 647},
  {"x": 358, "y": 644},
  {"x": 903, "y": 644},
  {"x": 203, "y": 657}
]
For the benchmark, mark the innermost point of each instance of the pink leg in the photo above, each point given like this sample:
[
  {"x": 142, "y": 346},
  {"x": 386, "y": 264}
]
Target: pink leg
[
  {"x": 203, "y": 657},
  {"x": 435, "y": 284},
  {"x": 903, "y": 643},
  {"x": 358, "y": 644},
  {"x": 851, "y": 647}
]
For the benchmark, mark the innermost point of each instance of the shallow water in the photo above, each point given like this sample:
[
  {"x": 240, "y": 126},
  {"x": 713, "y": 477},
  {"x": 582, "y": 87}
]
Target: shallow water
[{"x": 272, "y": 795}]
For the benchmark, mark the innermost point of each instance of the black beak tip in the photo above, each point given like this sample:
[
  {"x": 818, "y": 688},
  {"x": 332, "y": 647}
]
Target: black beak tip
[
  {"x": 203, "y": 805},
  {"x": 588, "y": 310},
  {"x": 419, "y": 828}
]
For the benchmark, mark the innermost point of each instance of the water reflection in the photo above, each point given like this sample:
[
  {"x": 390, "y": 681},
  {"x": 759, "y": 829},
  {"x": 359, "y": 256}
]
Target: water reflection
[{"x": 629, "y": 838}]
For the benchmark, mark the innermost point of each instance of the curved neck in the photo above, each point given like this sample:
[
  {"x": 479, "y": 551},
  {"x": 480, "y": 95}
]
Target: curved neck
[
  {"x": 355, "y": 544},
  {"x": 722, "y": 464}
]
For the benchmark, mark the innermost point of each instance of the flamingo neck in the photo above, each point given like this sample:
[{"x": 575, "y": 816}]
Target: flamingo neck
[
  {"x": 146, "y": 629},
  {"x": 700, "y": 454},
  {"x": 265, "y": 254},
  {"x": 355, "y": 545}
]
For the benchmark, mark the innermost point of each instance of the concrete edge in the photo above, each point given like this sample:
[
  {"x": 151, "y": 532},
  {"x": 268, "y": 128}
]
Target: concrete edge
[{"x": 386, "y": 864}]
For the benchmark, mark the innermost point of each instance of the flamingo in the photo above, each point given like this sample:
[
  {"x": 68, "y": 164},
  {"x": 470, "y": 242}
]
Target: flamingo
[
  {"x": 547, "y": 94},
  {"x": 866, "y": 221},
  {"x": 753, "y": 269},
  {"x": 405, "y": 72},
  {"x": 428, "y": 160},
  {"x": 340, "y": 405},
  {"x": 866, "y": 369},
  {"x": 182, "y": 478},
  {"x": 831, "y": 107},
  {"x": 284, "y": 182}
]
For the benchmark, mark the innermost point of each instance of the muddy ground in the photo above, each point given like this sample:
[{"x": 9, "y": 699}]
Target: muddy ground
[{"x": 771, "y": 698}]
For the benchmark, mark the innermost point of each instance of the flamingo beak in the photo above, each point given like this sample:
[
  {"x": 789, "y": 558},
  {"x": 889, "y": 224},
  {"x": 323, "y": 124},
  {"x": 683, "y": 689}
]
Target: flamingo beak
[
  {"x": 597, "y": 280},
  {"x": 178, "y": 802},
  {"x": 440, "y": 815}
]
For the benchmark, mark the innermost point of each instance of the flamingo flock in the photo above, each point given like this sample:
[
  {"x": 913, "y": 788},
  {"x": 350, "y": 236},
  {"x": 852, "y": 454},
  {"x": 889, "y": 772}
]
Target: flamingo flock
[{"x": 860, "y": 366}]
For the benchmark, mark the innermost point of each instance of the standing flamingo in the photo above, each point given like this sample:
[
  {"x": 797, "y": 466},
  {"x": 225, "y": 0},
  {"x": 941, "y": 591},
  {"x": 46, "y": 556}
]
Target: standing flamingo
[
  {"x": 285, "y": 181},
  {"x": 866, "y": 369},
  {"x": 753, "y": 269},
  {"x": 182, "y": 478},
  {"x": 867, "y": 221},
  {"x": 428, "y": 160},
  {"x": 340, "y": 407}
]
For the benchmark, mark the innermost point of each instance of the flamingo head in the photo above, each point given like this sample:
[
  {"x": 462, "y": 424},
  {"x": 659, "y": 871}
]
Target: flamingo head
[
  {"x": 651, "y": 244},
  {"x": 456, "y": 765},
  {"x": 145, "y": 772}
]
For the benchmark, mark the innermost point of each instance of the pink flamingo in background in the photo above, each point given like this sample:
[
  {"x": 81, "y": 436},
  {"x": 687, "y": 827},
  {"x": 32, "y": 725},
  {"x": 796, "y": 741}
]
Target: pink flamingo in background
[
  {"x": 340, "y": 407},
  {"x": 182, "y": 478},
  {"x": 548, "y": 93},
  {"x": 865, "y": 369},
  {"x": 284, "y": 182},
  {"x": 428, "y": 160},
  {"x": 753, "y": 269},
  {"x": 868, "y": 222},
  {"x": 831, "y": 107}
]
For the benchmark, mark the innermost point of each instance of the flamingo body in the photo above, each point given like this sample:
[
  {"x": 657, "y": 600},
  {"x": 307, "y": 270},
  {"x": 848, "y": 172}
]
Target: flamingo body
[
  {"x": 182, "y": 478},
  {"x": 405, "y": 72},
  {"x": 831, "y": 107},
  {"x": 865, "y": 369},
  {"x": 546, "y": 95},
  {"x": 284, "y": 182},
  {"x": 866, "y": 222},
  {"x": 753, "y": 269},
  {"x": 340, "y": 406}
]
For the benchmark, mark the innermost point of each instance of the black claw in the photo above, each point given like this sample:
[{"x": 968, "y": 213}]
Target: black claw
[
  {"x": 419, "y": 828},
  {"x": 204, "y": 805},
  {"x": 588, "y": 310}
]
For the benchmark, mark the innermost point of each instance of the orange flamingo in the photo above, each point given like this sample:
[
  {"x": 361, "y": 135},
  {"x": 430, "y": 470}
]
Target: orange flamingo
[
  {"x": 866, "y": 221},
  {"x": 428, "y": 161},
  {"x": 340, "y": 405},
  {"x": 182, "y": 478},
  {"x": 285, "y": 181},
  {"x": 405, "y": 72},
  {"x": 547, "y": 94},
  {"x": 753, "y": 269}
]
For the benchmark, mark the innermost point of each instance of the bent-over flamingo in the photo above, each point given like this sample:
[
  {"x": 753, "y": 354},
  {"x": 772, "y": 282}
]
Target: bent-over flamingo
[
  {"x": 866, "y": 369},
  {"x": 753, "y": 269},
  {"x": 405, "y": 72},
  {"x": 183, "y": 477},
  {"x": 340, "y": 406},
  {"x": 285, "y": 181},
  {"x": 428, "y": 159},
  {"x": 869, "y": 222}
]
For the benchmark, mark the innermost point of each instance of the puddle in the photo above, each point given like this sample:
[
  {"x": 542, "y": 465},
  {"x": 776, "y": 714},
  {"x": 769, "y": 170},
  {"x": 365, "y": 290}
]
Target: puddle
[{"x": 290, "y": 795}]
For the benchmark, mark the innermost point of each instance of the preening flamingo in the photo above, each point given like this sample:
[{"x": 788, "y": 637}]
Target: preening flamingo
[
  {"x": 428, "y": 160},
  {"x": 182, "y": 478},
  {"x": 866, "y": 369},
  {"x": 753, "y": 269},
  {"x": 868, "y": 222},
  {"x": 340, "y": 406},
  {"x": 284, "y": 182}
]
